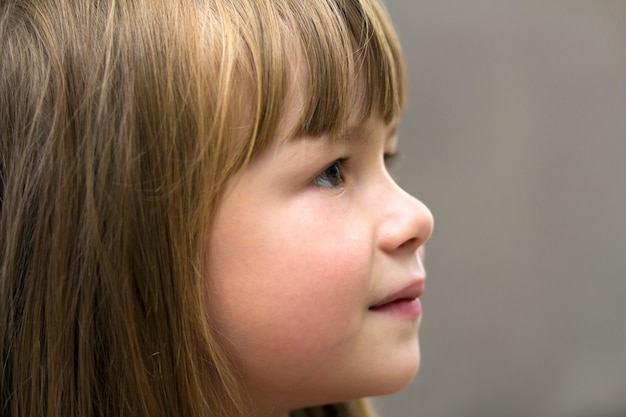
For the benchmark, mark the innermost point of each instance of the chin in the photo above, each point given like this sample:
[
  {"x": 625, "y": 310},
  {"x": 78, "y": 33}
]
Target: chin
[
  {"x": 397, "y": 378},
  {"x": 393, "y": 377},
  {"x": 399, "y": 383}
]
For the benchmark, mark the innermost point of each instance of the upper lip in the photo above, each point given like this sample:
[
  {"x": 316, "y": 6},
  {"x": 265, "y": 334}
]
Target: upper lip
[{"x": 410, "y": 291}]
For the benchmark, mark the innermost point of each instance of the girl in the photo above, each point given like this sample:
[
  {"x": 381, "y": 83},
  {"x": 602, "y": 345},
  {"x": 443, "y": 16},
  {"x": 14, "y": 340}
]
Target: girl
[{"x": 196, "y": 218}]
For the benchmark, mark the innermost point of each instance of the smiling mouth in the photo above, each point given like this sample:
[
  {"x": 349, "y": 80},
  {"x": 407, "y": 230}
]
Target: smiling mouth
[
  {"x": 405, "y": 307},
  {"x": 404, "y": 302}
]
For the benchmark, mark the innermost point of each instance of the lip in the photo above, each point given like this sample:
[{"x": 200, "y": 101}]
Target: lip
[{"x": 404, "y": 302}]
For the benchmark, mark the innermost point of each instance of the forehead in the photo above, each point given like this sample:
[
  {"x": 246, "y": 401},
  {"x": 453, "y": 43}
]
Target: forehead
[
  {"x": 326, "y": 64},
  {"x": 343, "y": 60},
  {"x": 356, "y": 116}
]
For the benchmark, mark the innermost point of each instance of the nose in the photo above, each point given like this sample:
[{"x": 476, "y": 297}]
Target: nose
[{"x": 406, "y": 223}]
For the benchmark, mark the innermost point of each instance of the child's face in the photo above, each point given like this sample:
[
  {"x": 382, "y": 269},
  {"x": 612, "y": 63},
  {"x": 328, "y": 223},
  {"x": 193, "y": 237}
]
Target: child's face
[{"x": 307, "y": 240}]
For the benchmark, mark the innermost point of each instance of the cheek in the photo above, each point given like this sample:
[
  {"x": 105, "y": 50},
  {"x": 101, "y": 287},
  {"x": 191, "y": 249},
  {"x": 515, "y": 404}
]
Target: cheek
[
  {"x": 323, "y": 284},
  {"x": 291, "y": 286}
]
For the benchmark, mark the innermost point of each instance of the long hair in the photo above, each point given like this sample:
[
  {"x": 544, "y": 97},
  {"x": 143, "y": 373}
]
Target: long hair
[{"x": 120, "y": 123}]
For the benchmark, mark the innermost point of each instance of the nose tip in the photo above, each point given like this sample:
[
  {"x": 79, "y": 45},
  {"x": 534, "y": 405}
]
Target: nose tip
[
  {"x": 408, "y": 224},
  {"x": 421, "y": 224}
]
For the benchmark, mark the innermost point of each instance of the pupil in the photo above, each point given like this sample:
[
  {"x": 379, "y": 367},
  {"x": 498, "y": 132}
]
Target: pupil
[{"x": 333, "y": 173}]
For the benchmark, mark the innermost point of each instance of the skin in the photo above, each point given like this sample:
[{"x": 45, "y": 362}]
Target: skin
[{"x": 307, "y": 238}]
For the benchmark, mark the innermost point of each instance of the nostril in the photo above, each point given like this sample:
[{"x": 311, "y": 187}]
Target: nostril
[{"x": 411, "y": 243}]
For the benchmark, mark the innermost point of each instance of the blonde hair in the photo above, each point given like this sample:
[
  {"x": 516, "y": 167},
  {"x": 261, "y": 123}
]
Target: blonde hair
[{"x": 120, "y": 122}]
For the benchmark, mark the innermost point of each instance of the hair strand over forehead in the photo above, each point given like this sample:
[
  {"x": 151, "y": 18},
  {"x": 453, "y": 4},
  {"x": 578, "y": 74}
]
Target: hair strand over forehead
[{"x": 352, "y": 62}]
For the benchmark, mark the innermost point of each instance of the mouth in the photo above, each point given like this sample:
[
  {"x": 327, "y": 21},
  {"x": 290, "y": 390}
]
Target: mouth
[{"x": 404, "y": 302}]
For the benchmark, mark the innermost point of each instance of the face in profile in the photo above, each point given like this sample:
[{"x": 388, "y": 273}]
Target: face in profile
[{"x": 314, "y": 271}]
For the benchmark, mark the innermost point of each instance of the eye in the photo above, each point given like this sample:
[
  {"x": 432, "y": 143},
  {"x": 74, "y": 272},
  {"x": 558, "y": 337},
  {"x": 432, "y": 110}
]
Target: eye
[
  {"x": 390, "y": 159},
  {"x": 332, "y": 175}
]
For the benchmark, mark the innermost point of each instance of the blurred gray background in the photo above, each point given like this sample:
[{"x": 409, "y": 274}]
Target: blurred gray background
[{"x": 515, "y": 137}]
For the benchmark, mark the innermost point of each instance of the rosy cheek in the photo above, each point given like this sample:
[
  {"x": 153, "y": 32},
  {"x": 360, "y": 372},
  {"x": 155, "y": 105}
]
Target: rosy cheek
[{"x": 332, "y": 281}]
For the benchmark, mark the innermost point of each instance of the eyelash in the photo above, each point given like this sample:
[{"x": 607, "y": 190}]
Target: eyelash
[
  {"x": 327, "y": 180},
  {"x": 390, "y": 159},
  {"x": 324, "y": 180}
]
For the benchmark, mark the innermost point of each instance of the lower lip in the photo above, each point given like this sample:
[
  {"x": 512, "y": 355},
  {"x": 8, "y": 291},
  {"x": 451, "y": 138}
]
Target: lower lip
[{"x": 403, "y": 308}]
